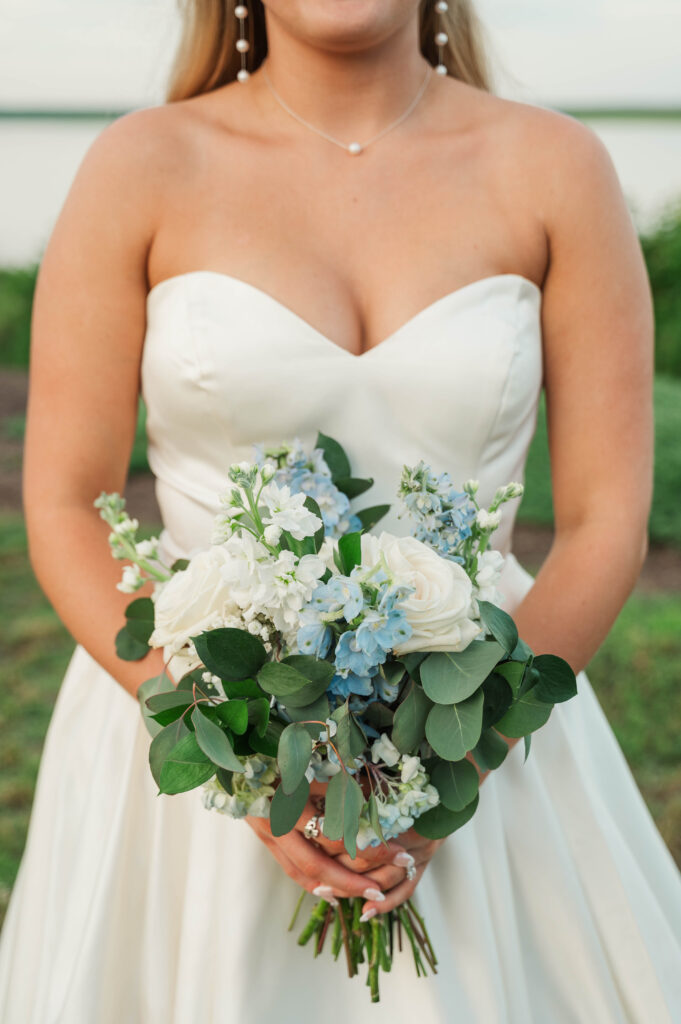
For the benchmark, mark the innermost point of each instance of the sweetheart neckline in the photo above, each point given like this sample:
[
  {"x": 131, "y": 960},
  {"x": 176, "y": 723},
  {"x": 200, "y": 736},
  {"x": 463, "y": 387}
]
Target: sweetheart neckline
[{"x": 344, "y": 352}]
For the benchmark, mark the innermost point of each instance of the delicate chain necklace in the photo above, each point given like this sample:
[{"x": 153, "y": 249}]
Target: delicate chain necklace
[{"x": 352, "y": 147}]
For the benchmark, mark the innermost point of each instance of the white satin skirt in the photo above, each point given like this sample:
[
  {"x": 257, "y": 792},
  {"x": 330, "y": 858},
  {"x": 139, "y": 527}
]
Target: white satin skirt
[{"x": 558, "y": 903}]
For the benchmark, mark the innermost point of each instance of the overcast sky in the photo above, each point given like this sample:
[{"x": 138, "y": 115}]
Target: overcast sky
[{"x": 117, "y": 52}]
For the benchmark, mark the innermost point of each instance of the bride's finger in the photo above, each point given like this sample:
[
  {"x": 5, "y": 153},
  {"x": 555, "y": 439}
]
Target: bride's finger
[{"x": 325, "y": 870}]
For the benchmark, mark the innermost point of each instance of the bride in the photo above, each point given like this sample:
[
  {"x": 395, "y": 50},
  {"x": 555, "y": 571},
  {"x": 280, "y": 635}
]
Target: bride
[{"x": 335, "y": 224}]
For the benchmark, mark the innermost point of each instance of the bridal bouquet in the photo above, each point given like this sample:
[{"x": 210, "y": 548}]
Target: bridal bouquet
[{"x": 310, "y": 648}]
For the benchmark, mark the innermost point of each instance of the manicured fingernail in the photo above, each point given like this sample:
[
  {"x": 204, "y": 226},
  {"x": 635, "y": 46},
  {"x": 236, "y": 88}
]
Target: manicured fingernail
[
  {"x": 373, "y": 894},
  {"x": 368, "y": 914},
  {"x": 403, "y": 859},
  {"x": 325, "y": 892}
]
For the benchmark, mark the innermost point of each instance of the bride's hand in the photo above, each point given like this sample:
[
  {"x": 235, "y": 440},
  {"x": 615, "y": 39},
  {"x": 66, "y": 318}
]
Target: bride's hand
[
  {"x": 392, "y": 878},
  {"x": 322, "y": 866}
]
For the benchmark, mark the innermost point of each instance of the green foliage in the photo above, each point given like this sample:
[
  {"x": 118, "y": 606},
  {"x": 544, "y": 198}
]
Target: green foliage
[
  {"x": 662, "y": 252},
  {"x": 16, "y": 299},
  {"x": 665, "y": 519}
]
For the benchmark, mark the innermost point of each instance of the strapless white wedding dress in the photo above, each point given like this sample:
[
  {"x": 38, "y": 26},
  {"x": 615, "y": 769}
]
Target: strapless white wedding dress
[{"x": 558, "y": 903}]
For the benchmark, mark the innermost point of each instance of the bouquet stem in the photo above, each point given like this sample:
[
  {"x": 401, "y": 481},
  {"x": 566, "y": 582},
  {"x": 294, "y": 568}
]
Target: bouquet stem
[{"x": 371, "y": 942}]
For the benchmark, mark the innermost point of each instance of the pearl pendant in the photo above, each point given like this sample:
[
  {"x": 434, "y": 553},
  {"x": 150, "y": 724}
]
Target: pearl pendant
[{"x": 355, "y": 148}]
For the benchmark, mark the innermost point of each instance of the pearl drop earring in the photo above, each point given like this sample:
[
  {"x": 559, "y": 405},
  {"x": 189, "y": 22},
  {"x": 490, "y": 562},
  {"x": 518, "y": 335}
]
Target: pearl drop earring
[
  {"x": 441, "y": 39},
  {"x": 242, "y": 44}
]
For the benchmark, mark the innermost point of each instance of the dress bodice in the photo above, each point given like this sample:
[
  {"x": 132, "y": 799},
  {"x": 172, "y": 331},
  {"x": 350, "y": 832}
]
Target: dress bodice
[{"x": 225, "y": 365}]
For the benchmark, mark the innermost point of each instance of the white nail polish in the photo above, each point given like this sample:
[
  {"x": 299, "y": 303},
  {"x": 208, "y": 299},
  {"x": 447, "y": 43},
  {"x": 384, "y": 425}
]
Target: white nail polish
[
  {"x": 325, "y": 892},
  {"x": 368, "y": 914},
  {"x": 403, "y": 860},
  {"x": 373, "y": 894}
]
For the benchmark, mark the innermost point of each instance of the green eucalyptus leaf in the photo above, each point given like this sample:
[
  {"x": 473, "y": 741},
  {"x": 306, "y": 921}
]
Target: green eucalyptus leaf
[
  {"x": 163, "y": 743},
  {"x": 139, "y": 617},
  {"x": 214, "y": 742},
  {"x": 412, "y": 661},
  {"x": 242, "y": 688},
  {"x": 285, "y": 809},
  {"x": 490, "y": 750},
  {"x": 185, "y": 767},
  {"x": 128, "y": 647},
  {"x": 353, "y": 486},
  {"x": 350, "y": 551},
  {"x": 453, "y": 730},
  {"x": 224, "y": 778},
  {"x": 522, "y": 652},
  {"x": 313, "y": 713},
  {"x": 457, "y": 782},
  {"x": 230, "y": 653},
  {"x": 343, "y": 806},
  {"x": 334, "y": 456},
  {"x": 441, "y": 822},
  {"x": 349, "y": 740},
  {"x": 379, "y": 715},
  {"x": 179, "y": 565},
  {"x": 266, "y": 742},
  {"x": 374, "y": 820},
  {"x": 451, "y": 676},
  {"x": 512, "y": 672},
  {"x": 525, "y": 715},
  {"x": 297, "y": 680},
  {"x": 234, "y": 714},
  {"x": 157, "y": 684},
  {"x": 368, "y": 517},
  {"x": 498, "y": 698},
  {"x": 293, "y": 756},
  {"x": 557, "y": 682},
  {"x": 527, "y": 740},
  {"x": 409, "y": 723},
  {"x": 500, "y": 625},
  {"x": 318, "y": 538},
  {"x": 259, "y": 714}
]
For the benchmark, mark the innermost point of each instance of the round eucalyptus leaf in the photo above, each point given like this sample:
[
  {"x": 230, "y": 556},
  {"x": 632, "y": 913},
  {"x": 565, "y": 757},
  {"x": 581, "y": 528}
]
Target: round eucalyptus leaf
[
  {"x": 457, "y": 782},
  {"x": 454, "y": 730},
  {"x": 441, "y": 822},
  {"x": 451, "y": 676}
]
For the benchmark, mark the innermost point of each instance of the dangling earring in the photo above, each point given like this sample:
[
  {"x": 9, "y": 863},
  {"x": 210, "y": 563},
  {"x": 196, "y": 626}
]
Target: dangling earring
[
  {"x": 441, "y": 39},
  {"x": 242, "y": 44}
]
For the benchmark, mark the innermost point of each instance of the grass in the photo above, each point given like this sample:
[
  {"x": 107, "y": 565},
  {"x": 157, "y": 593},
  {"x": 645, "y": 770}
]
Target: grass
[{"x": 635, "y": 675}]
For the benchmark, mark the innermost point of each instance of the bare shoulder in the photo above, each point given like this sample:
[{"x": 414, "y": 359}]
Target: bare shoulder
[{"x": 565, "y": 163}]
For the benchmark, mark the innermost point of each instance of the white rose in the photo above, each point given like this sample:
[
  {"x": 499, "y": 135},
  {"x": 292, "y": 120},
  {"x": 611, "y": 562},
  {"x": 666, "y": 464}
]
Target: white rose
[
  {"x": 438, "y": 610},
  {"x": 490, "y": 564},
  {"x": 194, "y": 599}
]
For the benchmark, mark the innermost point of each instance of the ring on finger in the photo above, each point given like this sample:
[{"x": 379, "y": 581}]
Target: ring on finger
[{"x": 311, "y": 829}]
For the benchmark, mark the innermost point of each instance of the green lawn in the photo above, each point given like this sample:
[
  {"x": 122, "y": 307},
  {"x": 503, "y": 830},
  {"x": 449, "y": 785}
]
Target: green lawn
[{"x": 635, "y": 675}]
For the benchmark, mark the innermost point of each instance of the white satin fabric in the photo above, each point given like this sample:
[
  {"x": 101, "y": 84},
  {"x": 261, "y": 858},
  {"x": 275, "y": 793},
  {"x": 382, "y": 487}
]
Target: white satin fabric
[{"x": 558, "y": 903}]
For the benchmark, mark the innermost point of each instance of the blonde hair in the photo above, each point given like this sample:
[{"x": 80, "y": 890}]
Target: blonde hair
[{"x": 207, "y": 57}]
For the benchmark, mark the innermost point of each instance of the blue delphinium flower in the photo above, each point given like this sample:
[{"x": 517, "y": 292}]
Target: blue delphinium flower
[{"x": 444, "y": 515}]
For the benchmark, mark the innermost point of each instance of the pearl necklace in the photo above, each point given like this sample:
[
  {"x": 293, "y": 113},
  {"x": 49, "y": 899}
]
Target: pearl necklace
[{"x": 354, "y": 148}]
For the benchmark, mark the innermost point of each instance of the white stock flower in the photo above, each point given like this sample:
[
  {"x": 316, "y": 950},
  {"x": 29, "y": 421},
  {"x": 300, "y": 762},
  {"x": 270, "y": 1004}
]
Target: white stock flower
[
  {"x": 490, "y": 565},
  {"x": 488, "y": 520},
  {"x": 288, "y": 512},
  {"x": 131, "y": 581},
  {"x": 438, "y": 609},
  {"x": 147, "y": 548}
]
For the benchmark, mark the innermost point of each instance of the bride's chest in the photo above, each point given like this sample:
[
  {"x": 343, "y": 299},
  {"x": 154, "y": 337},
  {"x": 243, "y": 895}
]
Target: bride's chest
[{"x": 226, "y": 363}]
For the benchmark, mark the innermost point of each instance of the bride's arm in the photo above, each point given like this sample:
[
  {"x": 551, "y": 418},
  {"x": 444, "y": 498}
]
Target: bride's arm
[
  {"x": 87, "y": 331},
  {"x": 598, "y": 332},
  {"x": 598, "y": 329},
  {"x": 88, "y": 325}
]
